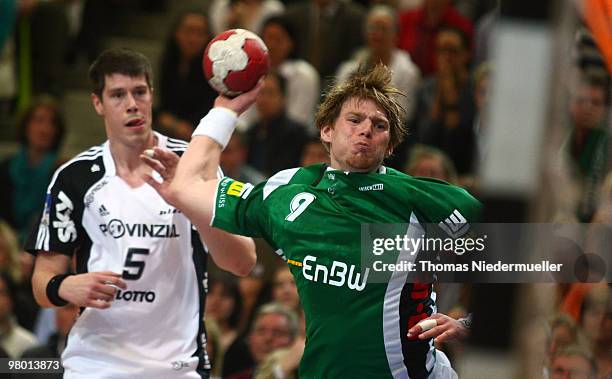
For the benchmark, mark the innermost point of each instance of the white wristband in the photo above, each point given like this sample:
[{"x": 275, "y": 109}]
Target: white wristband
[{"x": 218, "y": 124}]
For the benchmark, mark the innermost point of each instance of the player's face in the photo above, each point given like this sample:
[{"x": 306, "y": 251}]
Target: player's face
[
  {"x": 126, "y": 105},
  {"x": 359, "y": 139}
]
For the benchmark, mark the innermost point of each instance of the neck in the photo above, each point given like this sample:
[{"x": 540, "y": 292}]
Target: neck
[{"x": 127, "y": 160}]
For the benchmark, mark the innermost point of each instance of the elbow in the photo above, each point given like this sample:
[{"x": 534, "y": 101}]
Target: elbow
[{"x": 248, "y": 261}]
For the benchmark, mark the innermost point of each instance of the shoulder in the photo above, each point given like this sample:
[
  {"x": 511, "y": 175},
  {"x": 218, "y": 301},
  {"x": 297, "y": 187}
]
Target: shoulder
[
  {"x": 177, "y": 146},
  {"x": 294, "y": 176},
  {"x": 87, "y": 163}
]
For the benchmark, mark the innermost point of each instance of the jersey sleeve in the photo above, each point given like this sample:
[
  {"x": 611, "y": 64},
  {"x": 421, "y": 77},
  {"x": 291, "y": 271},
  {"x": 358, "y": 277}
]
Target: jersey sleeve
[
  {"x": 59, "y": 229},
  {"x": 239, "y": 208},
  {"x": 451, "y": 208}
]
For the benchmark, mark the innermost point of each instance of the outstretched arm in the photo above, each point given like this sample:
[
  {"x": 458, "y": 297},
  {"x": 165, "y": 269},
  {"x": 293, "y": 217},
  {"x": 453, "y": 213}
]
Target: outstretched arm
[{"x": 191, "y": 185}]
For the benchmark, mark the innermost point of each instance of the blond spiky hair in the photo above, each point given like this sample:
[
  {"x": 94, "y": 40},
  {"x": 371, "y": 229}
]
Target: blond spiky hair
[{"x": 372, "y": 85}]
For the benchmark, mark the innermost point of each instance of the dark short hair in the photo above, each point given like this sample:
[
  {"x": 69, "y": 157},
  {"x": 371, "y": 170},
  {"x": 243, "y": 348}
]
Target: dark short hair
[
  {"x": 118, "y": 61},
  {"x": 289, "y": 28},
  {"x": 59, "y": 122}
]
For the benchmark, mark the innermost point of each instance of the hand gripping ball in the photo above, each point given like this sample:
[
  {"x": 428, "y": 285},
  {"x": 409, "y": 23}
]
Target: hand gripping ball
[{"x": 234, "y": 61}]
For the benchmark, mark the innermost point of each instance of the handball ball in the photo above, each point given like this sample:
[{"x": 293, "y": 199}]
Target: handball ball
[{"x": 234, "y": 61}]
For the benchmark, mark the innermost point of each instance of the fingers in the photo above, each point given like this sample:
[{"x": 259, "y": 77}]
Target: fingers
[
  {"x": 97, "y": 303},
  {"x": 110, "y": 278}
]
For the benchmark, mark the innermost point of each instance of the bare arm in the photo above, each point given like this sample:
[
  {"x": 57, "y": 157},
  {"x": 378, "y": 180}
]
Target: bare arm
[
  {"x": 191, "y": 187},
  {"x": 94, "y": 289}
]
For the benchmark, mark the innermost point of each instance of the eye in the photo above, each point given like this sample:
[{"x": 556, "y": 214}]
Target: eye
[
  {"x": 140, "y": 92},
  {"x": 381, "y": 126},
  {"x": 116, "y": 95}
]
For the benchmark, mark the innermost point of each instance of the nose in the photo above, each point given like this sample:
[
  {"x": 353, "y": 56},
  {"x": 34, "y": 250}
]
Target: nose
[
  {"x": 365, "y": 128},
  {"x": 132, "y": 106}
]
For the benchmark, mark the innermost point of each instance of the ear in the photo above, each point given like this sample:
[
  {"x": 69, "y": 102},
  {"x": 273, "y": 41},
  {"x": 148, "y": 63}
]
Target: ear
[
  {"x": 389, "y": 152},
  {"x": 326, "y": 133},
  {"x": 97, "y": 103}
]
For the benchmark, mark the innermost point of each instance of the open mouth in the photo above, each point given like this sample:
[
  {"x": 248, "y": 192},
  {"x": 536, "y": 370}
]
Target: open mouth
[{"x": 135, "y": 122}]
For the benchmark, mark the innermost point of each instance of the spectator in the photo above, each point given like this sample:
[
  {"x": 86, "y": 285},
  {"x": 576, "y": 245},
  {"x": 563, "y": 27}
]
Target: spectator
[
  {"x": 233, "y": 161},
  {"x": 275, "y": 142},
  {"x": 185, "y": 92},
  {"x": 25, "y": 175},
  {"x": 65, "y": 318},
  {"x": 573, "y": 362},
  {"x": 563, "y": 332},
  {"x": 430, "y": 162},
  {"x": 25, "y": 308},
  {"x": 314, "y": 152},
  {"x": 284, "y": 290},
  {"x": 445, "y": 112},
  {"x": 381, "y": 38},
  {"x": 588, "y": 142},
  {"x": 323, "y": 26},
  {"x": 303, "y": 80},
  {"x": 243, "y": 14},
  {"x": 9, "y": 252},
  {"x": 224, "y": 305},
  {"x": 14, "y": 339},
  {"x": 596, "y": 322},
  {"x": 418, "y": 30},
  {"x": 275, "y": 327}
]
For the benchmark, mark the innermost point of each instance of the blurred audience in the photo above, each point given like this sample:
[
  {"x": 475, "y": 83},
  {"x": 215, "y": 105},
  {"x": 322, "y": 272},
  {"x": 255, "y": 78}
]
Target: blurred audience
[
  {"x": 274, "y": 327},
  {"x": 429, "y": 162},
  {"x": 418, "y": 30},
  {"x": 562, "y": 332},
  {"x": 26, "y": 175},
  {"x": 185, "y": 95},
  {"x": 588, "y": 142},
  {"x": 243, "y": 14},
  {"x": 224, "y": 306},
  {"x": 65, "y": 318},
  {"x": 303, "y": 80},
  {"x": 14, "y": 339},
  {"x": 233, "y": 161},
  {"x": 381, "y": 38},
  {"x": 446, "y": 110},
  {"x": 314, "y": 152},
  {"x": 596, "y": 322},
  {"x": 322, "y": 26},
  {"x": 573, "y": 362},
  {"x": 275, "y": 141}
]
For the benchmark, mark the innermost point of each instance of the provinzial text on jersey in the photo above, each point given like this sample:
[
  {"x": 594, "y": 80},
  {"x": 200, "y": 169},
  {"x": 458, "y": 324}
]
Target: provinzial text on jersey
[{"x": 117, "y": 229}]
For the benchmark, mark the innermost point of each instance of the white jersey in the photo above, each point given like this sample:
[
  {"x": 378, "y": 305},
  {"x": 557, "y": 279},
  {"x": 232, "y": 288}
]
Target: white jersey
[{"x": 154, "y": 328}]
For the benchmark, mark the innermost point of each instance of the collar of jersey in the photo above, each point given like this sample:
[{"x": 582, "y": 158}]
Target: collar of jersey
[
  {"x": 381, "y": 170},
  {"x": 109, "y": 163}
]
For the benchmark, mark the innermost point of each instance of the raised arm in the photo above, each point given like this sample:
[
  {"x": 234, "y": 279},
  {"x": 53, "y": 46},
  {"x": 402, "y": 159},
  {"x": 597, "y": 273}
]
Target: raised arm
[{"x": 191, "y": 185}]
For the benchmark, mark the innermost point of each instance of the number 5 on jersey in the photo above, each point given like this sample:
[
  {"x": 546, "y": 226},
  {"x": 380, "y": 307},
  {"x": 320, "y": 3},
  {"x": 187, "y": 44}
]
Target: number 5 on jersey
[
  {"x": 131, "y": 262},
  {"x": 298, "y": 205}
]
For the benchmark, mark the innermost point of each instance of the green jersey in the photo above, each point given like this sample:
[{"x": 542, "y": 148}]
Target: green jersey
[{"x": 312, "y": 216}]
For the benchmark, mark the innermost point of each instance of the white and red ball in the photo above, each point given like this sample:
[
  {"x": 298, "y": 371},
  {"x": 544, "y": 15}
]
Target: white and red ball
[{"x": 234, "y": 61}]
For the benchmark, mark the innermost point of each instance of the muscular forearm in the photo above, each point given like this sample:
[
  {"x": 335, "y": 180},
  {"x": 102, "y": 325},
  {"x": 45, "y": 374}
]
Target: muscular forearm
[{"x": 230, "y": 252}]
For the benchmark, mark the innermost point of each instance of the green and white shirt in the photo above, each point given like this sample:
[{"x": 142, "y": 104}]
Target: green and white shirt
[{"x": 312, "y": 216}]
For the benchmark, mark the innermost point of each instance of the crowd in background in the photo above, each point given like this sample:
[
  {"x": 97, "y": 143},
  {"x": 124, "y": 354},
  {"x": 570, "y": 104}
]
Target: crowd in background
[{"x": 439, "y": 53}]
